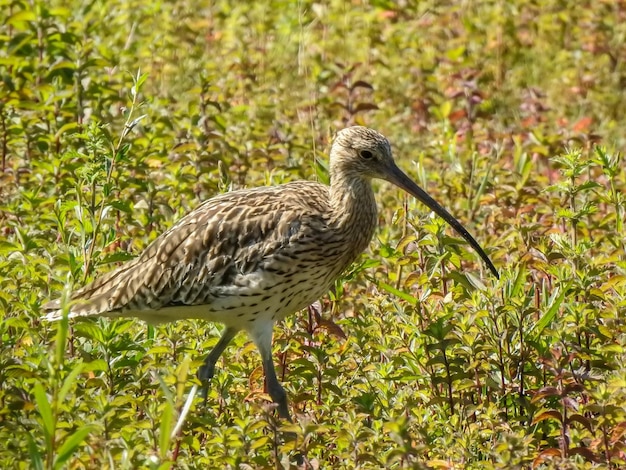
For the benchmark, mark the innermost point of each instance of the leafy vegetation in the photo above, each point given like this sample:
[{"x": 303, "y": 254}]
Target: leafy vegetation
[{"x": 118, "y": 117}]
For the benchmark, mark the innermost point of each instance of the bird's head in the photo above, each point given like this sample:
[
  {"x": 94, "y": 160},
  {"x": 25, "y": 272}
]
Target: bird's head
[
  {"x": 359, "y": 153},
  {"x": 362, "y": 153}
]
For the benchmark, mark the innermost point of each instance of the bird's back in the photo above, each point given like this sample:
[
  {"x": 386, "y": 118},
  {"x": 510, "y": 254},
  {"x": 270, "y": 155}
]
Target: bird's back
[{"x": 263, "y": 251}]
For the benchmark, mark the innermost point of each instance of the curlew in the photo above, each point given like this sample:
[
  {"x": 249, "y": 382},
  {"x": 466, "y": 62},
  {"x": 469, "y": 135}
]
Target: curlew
[{"x": 250, "y": 257}]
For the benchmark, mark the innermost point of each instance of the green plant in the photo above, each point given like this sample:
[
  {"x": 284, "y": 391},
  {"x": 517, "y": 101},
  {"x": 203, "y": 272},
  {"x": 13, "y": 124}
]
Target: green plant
[{"x": 508, "y": 113}]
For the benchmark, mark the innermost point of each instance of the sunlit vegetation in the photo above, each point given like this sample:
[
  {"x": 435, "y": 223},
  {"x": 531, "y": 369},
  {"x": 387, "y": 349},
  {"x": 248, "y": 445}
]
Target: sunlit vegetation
[{"x": 116, "y": 118}]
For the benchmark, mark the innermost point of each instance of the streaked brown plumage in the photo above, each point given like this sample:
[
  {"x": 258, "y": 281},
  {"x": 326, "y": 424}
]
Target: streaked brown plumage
[{"x": 250, "y": 257}]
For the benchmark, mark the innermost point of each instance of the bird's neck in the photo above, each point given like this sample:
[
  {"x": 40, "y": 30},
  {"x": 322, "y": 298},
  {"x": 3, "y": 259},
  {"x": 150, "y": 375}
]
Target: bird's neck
[{"x": 353, "y": 210}]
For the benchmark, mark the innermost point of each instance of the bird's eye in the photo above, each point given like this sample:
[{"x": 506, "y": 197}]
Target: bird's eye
[{"x": 366, "y": 154}]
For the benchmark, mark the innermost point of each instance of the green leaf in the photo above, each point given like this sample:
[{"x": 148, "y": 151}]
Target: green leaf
[
  {"x": 61, "y": 336},
  {"x": 182, "y": 374},
  {"x": 97, "y": 365},
  {"x": 165, "y": 428},
  {"x": 123, "y": 206},
  {"x": 6, "y": 248},
  {"x": 116, "y": 257},
  {"x": 462, "y": 279},
  {"x": 403, "y": 295},
  {"x": 456, "y": 53},
  {"x": 69, "y": 381},
  {"x": 45, "y": 411},
  {"x": 547, "y": 317},
  {"x": 70, "y": 126},
  {"x": 36, "y": 460},
  {"x": 21, "y": 17},
  {"x": 520, "y": 279},
  {"x": 548, "y": 414},
  {"x": 477, "y": 283},
  {"x": 612, "y": 349},
  {"x": 220, "y": 122},
  {"x": 260, "y": 442},
  {"x": 70, "y": 444},
  {"x": 140, "y": 79},
  {"x": 63, "y": 64}
]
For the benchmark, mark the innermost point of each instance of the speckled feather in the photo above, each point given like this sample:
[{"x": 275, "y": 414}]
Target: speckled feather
[{"x": 243, "y": 256}]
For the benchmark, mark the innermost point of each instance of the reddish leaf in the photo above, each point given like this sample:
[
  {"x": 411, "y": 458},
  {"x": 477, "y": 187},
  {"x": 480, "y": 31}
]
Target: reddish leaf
[
  {"x": 570, "y": 403},
  {"x": 388, "y": 14},
  {"x": 316, "y": 308},
  {"x": 619, "y": 449},
  {"x": 547, "y": 415},
  {"x": 368, "y": 458},
  {"x": 361, "y": 84},
  {"x": 365, "y": 107},
  {"x": 618, "y": 432},
  {"x": 454, "y": 92},
  {"x": 353, "y": 68},
  {"x": 584, "y": 452},
  {"x": 456, "y": 115},
  {"x": 583, "y": 124},
  {"x": 596, "y": 444},
  {"x": 575, "y": 387},
  {"x": 337, "y": 104},
  {"x": 332, "y": 328},
  {"x": 338, "y": 85},
  {"x": 256, "y": 377},
  {"x": 544, "y": 455},
  {"x": 578, "y": 418},
  {"x": 545, "y": 392}
]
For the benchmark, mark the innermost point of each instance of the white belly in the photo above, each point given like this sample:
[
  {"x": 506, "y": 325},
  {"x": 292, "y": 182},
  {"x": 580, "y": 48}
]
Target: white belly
[{"x": 264, "y": 298}]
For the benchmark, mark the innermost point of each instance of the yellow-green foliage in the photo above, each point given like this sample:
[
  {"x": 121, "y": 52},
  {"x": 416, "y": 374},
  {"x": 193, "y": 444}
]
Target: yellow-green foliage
[{"x": 117, "y": 117}]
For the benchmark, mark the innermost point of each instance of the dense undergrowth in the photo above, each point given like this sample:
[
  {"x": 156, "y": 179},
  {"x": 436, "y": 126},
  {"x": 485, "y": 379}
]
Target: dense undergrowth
[{"x": 118, "y": 117}]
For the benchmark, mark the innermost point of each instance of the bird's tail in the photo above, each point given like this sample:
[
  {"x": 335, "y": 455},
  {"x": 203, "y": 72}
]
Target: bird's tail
[{"x": 105, "y": 296}]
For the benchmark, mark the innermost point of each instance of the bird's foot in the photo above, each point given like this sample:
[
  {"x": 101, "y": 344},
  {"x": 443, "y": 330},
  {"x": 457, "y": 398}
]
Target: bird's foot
[
  {"x": 279, "y": 397},
  {"x": 205, "y": 374}
]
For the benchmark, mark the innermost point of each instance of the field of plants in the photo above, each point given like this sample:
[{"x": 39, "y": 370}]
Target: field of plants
[{"x": 118, "y": 117}]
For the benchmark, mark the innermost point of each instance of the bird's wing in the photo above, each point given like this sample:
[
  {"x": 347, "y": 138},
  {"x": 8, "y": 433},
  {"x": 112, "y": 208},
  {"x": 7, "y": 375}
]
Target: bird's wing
[{"x": 210, "y": 251}]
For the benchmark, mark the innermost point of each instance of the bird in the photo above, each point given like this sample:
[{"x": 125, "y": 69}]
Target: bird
[{"x": 250, "y": 257}]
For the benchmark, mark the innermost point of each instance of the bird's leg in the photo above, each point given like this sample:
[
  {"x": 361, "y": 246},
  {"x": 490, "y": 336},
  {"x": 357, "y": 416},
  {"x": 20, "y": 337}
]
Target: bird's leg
[
  {"x": 206, "y": 371},
  {"x": 275, "y": 389},
  {"x": 263, "y": 340}
]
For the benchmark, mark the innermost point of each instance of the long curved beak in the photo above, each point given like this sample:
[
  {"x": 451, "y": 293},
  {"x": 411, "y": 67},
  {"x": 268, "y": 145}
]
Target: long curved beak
[{"x": 397, "y": 177}]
